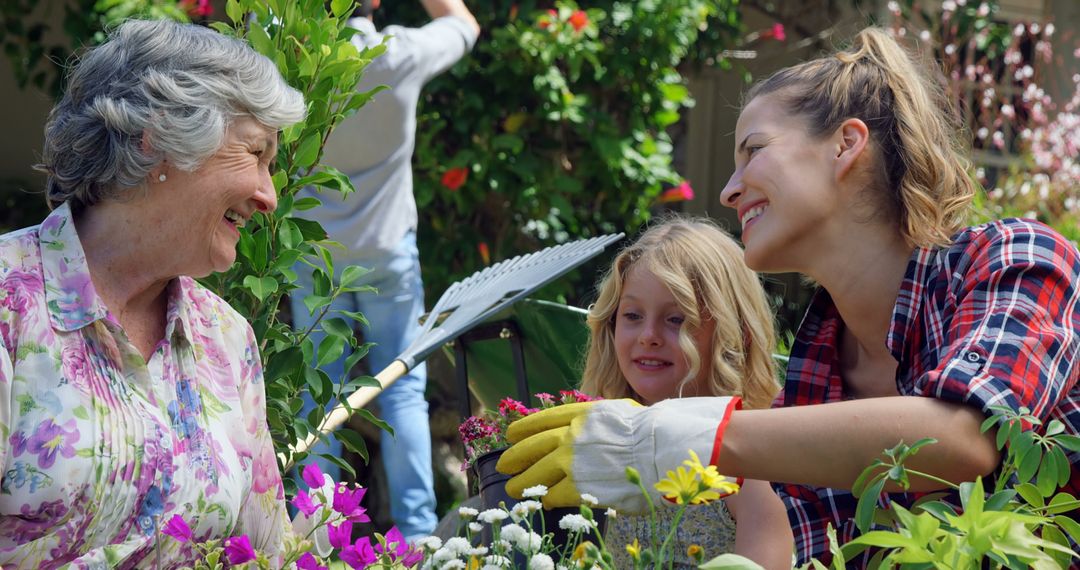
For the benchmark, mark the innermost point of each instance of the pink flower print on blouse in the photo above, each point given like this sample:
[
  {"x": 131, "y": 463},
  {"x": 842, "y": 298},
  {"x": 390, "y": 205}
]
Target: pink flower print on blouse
[{"x": 49, "y": 439}]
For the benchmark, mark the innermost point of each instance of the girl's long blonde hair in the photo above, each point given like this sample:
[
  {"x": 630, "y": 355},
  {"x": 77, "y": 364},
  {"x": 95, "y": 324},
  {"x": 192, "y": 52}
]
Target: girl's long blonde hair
[{"x": 703, "y": 268}]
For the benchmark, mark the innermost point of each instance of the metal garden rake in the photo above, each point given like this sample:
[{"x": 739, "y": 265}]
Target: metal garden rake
[{"x": 462, "y": 306}]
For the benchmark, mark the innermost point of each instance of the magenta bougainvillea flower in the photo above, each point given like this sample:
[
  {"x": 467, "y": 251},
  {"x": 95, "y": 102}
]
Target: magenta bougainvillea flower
[
  {"x": 347, "y": 502},
  {"x": 308, "y": 562},
  {"x": 177, "y": 528},
  {"x": 303, "y": 503},
  {"x": 238, "y": 549},
  {"x": 340, "y": 535},
  {"x": 313, "y": 476},
  {"x": 360, "y": 555}
]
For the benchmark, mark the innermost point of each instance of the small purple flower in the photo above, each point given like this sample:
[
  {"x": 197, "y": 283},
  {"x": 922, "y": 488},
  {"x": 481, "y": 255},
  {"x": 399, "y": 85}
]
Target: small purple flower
[
  {"x": 303, "y": 503},
  {"x": 308, "y": 562},
  {"x": 178, "y": 529},
  {"x": 49, "y": 439},
  {"x": 340, "y": 535},
  {"x": 359, "y": 556},
  {"x": 347, "y": 502},
  {"x": 313, "y": 476},
  {"x": 238, "y": 549}
]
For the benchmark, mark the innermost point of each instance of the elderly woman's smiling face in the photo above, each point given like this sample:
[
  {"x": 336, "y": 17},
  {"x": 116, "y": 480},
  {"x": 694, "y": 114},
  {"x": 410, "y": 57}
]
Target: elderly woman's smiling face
[{"x": 208, "y": 206}]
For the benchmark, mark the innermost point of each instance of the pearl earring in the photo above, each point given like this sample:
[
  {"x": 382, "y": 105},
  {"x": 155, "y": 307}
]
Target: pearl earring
[{"x": 161, "y": 177}]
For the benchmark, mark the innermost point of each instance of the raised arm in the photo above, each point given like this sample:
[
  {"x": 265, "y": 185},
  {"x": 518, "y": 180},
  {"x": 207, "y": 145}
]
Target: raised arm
[{"x": 440, "y": 8}]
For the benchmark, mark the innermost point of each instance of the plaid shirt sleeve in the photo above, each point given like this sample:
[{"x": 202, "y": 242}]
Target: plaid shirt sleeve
[{"x": 1008, "y": 336}]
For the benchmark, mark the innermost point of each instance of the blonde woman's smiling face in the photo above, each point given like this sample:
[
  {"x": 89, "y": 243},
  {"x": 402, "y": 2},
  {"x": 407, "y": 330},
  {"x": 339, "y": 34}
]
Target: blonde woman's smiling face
[{"x": 647, "y": 325}]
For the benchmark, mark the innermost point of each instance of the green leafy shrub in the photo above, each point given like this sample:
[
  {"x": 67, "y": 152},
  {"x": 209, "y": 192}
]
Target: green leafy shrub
[
  {"x": 554, "y": 127},
  {"x": 311, "y": 47},
  {"x": 1020, "y": 523}
]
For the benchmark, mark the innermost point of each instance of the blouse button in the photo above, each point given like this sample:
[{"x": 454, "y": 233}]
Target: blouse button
[{"x": 973, "y": 356}]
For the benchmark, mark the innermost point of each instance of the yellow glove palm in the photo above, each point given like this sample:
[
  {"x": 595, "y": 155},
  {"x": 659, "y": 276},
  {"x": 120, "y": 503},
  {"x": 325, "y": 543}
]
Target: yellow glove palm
[{"x": 543, "y": 453}]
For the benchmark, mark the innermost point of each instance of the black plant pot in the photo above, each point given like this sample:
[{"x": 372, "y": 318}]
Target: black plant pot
[{"x": 493, "y": 491}]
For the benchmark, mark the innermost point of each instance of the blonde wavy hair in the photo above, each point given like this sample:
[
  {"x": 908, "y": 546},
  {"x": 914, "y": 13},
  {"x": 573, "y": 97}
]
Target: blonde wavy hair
[
  {"x": 703, "y": 268},
  {"x": 914, "y": 129}
]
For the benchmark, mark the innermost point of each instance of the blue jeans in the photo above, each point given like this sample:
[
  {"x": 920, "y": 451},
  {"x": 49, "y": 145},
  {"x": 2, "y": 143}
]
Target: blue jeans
[{"x": 393, "y": 312}]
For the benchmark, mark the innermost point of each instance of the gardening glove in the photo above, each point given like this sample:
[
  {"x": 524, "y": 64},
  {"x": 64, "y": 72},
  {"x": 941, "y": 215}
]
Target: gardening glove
[{"x": 586, "y": 447}]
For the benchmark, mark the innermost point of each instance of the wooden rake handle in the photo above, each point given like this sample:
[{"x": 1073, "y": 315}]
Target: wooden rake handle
[{"x": 356, "y": 400}]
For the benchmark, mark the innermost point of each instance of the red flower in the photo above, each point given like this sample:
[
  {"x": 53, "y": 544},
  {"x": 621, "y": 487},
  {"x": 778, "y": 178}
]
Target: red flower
[
  {"x": 680, "y": 193},
  {"x": 485, "y": 253},
  {"x": 776, "y": 32},
  {"x": 455, "y": 177},
  {"x": 579, "y": 19}
]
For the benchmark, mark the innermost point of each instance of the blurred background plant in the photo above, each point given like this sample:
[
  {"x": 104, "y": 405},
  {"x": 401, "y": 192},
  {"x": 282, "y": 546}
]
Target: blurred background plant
[
  {"x": 555, "y": 127},
  {"x": 1000, "y": 73}
]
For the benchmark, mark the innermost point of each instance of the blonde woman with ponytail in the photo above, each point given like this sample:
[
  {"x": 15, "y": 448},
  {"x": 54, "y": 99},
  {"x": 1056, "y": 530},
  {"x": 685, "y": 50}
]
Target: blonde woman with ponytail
[
  {"x": 849, "y": 170},
  {"x": 679, "y": 314}
]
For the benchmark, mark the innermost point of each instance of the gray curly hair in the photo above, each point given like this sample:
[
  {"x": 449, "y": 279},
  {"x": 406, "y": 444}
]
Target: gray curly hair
[{"x": 155, "y": 90}]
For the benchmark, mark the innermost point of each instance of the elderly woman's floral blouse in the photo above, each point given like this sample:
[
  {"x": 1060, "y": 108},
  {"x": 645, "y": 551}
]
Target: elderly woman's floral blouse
[{"x": 100, "y": 447}]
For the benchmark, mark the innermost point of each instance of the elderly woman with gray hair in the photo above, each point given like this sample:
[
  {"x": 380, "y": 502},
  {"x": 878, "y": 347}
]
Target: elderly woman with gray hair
[{"x": 128, "y": 393}]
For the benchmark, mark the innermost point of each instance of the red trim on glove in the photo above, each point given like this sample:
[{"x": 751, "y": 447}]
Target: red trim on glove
[{"x": 735, "y": 404}]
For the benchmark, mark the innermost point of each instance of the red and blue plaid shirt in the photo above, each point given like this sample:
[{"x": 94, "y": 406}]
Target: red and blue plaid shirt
[{"x": 991, "y": 320}]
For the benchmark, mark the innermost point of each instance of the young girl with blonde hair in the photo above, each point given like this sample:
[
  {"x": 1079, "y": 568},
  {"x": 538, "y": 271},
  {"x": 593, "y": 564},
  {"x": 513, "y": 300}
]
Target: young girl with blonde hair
[{"x": 680, "y": 315}]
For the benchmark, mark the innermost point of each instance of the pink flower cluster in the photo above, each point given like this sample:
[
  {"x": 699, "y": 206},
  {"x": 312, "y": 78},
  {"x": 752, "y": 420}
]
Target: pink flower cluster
[
  {"x": 487, "y": 432},
  {"x": 391, "y": 549}
]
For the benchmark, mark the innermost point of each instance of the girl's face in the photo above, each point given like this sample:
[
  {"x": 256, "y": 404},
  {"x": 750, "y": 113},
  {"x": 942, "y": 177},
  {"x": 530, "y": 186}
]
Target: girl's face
[
  {"x": 783, "y": 188},
  {"x": 647, "y": 324}
]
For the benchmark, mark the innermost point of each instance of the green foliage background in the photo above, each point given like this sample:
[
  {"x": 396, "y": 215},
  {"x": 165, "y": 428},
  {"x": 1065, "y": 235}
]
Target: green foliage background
[{"x": 562, "y": 130}]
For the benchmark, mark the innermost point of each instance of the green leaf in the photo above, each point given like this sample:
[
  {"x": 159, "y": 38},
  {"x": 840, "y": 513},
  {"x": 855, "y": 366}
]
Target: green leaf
[
  {"x": 260, "y": 40},
  {"x": 864, "y": 511},
  {"x": 80, "y": 412},
  {"x": 1064, "y": 468},
  {"x": 884, "y": 539},
  {"x": 352, "y": 273},
  {"x": 233, "y": 11},
  {"x": 284, "y": 363},
  {"x": 363, "y": 382},
  {"x": 308, "y": 150},
  {"x": 1070, "y": 442},
  {"x": 330, "y": 349},
  {"x": 261, "y": 287},
  {"x": 315, "y": 302},
  {"x": 307, "y": 203},
  {"x": 367, "y": 415},
  {"x": 337, "y": 327},
  {"x": 1061, "y": 503},
  {"x": 1030, "y": 493},
  {"x": 1070, "y": 526},
  {"x": 1048, "y": 476},
  {"x": 314, "y": 380},
  {"x": 352, "y": 441},
  {"x": 1029, "y": 463},
  {"x": 1000, "y": 501}
]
